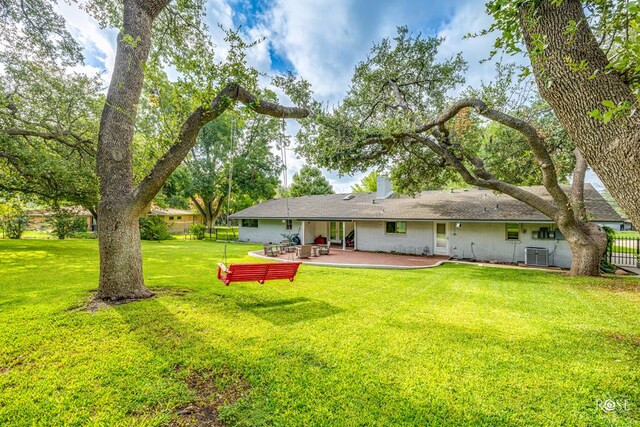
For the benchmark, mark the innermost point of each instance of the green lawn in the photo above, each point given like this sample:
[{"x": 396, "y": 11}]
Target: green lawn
[
  {"x": 627, "y": 234},
  {"x": 452, "y": 345},
  {"x": 220, "y": 232}
]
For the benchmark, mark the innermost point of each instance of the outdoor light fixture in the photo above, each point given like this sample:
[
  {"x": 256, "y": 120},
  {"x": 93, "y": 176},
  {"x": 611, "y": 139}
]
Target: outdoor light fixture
[{"x": 458, "y": 225}]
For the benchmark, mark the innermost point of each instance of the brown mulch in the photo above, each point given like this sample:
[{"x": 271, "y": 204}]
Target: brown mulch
[
  {"x": 210, "y": 395},
  {"x": 92, "y": 304}
]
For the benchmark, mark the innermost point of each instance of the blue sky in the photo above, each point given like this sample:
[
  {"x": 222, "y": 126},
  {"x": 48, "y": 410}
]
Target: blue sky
[{"x": 320, "y": 40}]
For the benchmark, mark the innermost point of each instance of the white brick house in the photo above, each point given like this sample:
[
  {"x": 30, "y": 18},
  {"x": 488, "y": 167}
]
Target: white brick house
[{"x": 477, "y": 224}]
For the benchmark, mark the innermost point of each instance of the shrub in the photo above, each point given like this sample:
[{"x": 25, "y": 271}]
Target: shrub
[
  {"x": 64, "y": 223},
  {"x": 605, "y": 265},
  {"x": 197, "y": 230},
  {"x": 14, "y": 224},
  {"x": 152, "y": 227},
  {"x": 82, "y": 235}
]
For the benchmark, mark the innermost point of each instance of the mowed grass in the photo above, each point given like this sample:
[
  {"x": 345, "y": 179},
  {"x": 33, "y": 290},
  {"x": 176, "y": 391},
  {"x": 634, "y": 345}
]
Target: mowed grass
[{"x": 453, "y": 345}]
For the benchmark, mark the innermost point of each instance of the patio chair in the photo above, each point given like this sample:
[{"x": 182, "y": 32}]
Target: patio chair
[
  {"x": 270, "y": 251},
  {"x": 324, "y": 249},
  {"x": 303, "y": 251}
]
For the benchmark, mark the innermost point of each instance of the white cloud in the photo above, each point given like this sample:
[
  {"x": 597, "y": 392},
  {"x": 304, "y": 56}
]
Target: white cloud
[
  {"x": 470, "y": 18},
  {"x": 323, "y": 40},
  {"x": 99, "y": 44}
]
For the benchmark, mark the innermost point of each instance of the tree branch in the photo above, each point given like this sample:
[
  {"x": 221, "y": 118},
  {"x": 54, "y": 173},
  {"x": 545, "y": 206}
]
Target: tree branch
[
  {"x": 198, "y": 205},
  {"x": 58, "y": 137},
  {"x": 536, "y": 142},
  {"x": 482, "y": 178},
  {"x": 186, "y": 139}
]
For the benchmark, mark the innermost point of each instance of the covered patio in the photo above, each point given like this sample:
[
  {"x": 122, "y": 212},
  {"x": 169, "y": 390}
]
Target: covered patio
[{"x": 360, "y": 259}]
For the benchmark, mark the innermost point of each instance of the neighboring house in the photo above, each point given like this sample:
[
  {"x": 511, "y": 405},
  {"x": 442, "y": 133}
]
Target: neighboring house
[
  {"x": 475, "y": 223},
  {"x": 179, "y": 220},
  {"x": 38, "y": 218}
]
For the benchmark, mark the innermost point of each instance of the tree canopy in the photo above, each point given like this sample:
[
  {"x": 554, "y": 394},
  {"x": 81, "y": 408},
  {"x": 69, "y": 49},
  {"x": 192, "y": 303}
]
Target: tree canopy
[
  {"x": 48, "y": 131},
  {"x": 228, "y": 148},
  {"x": 368, "y": 184},
  {"x": 309, "y": 181}
]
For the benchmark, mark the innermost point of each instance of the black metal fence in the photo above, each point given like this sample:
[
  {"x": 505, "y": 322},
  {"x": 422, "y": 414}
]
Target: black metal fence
[{"x": 625, "y": 251}]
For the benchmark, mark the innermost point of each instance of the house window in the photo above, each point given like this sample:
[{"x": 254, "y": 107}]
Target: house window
[
  {"x": 179, "y": 217},
  {"x": 289, "y": 224},
  {"x": 513, "y": 231},
  {"x": 397, "y": 227},
  {"x": 250, "y": 223},
  {"x": 170, "y": 217}
]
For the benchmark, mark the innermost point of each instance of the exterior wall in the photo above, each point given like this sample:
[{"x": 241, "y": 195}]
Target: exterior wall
[
  {"x": 488, "y": 239},
  {"x": 180, "y": 225},
  {"x": 617, "y": 226},
  {"x": 268, "y": 230},
  {"x": 372, "y": 236},
  {"x": 479, "y": 240},
  {"x": 38, "y": 222},
  {"x": 489, "y": 243}
]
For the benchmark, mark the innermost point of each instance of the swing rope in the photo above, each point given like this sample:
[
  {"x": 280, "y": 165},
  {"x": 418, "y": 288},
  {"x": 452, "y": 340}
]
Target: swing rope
[
  {"x": 263, "y": 271},
  {"x": 232, "y": 148},
  {"x": 285, "y": 170},
  {"x": 285, "y": 176}
]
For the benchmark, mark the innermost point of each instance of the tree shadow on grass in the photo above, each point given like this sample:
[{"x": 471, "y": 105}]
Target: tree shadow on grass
[
  {"x": 183, "y": 357},
  {"x": 291, "y": 310}
]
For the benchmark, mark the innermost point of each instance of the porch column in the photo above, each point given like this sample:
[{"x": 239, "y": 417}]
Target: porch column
[
  {"x": 355, "y": 235},
  {"x": 302, "y": 233},
  {"x": 344, "y": 237}
]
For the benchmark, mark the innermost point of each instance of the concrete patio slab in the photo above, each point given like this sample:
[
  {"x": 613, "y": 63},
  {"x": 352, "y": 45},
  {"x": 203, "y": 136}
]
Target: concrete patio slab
[{"x": 359, "y": 259}]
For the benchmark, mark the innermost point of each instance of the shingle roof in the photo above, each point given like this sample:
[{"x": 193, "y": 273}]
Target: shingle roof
[{"x": 453, "y": 205}]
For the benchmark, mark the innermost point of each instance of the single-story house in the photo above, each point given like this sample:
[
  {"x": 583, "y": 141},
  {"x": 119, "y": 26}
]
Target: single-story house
[
  {"x": 39, "y": 218},
  {"x": 179, "y": 220},
  {"x": 465, "y": 223}
]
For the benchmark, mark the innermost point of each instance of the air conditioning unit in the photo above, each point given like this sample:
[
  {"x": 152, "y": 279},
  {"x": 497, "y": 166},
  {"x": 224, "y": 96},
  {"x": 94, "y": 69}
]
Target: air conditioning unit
[{"x": 536, "y": 256}]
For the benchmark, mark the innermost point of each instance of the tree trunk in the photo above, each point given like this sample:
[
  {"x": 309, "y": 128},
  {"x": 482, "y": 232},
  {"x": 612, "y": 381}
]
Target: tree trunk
[
  {"x": 119, "y": 233},
  {"x": 587, "y": 242},
  {"x": 120, "y": 256},
  {"x": 612, "y": 149}
]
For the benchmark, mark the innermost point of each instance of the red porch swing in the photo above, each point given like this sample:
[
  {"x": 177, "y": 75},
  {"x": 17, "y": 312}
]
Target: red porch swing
[
  {"x": 257, "y": 272},
  {"x": 263, "y": 271}
]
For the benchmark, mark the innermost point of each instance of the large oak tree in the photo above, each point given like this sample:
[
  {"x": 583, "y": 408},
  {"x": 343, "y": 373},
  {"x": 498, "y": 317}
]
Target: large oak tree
[
  {"x": 397, "y": 115},
  {"x": 154, "y": 35},
  {"x": 587, "y": 67},
  {"x": 121, "y": 203}
]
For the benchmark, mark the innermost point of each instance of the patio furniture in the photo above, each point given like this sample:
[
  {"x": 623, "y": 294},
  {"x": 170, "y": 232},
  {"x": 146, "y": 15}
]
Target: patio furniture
[
  {"x": 315, "y": 250},
  {"x": 257, "y": 272},
  {"x": 287, "y": 247},
  {"x": 303, "y": 251},
  {"x": 269, "y": 250},
  {"x": 324, "y": 249}
]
